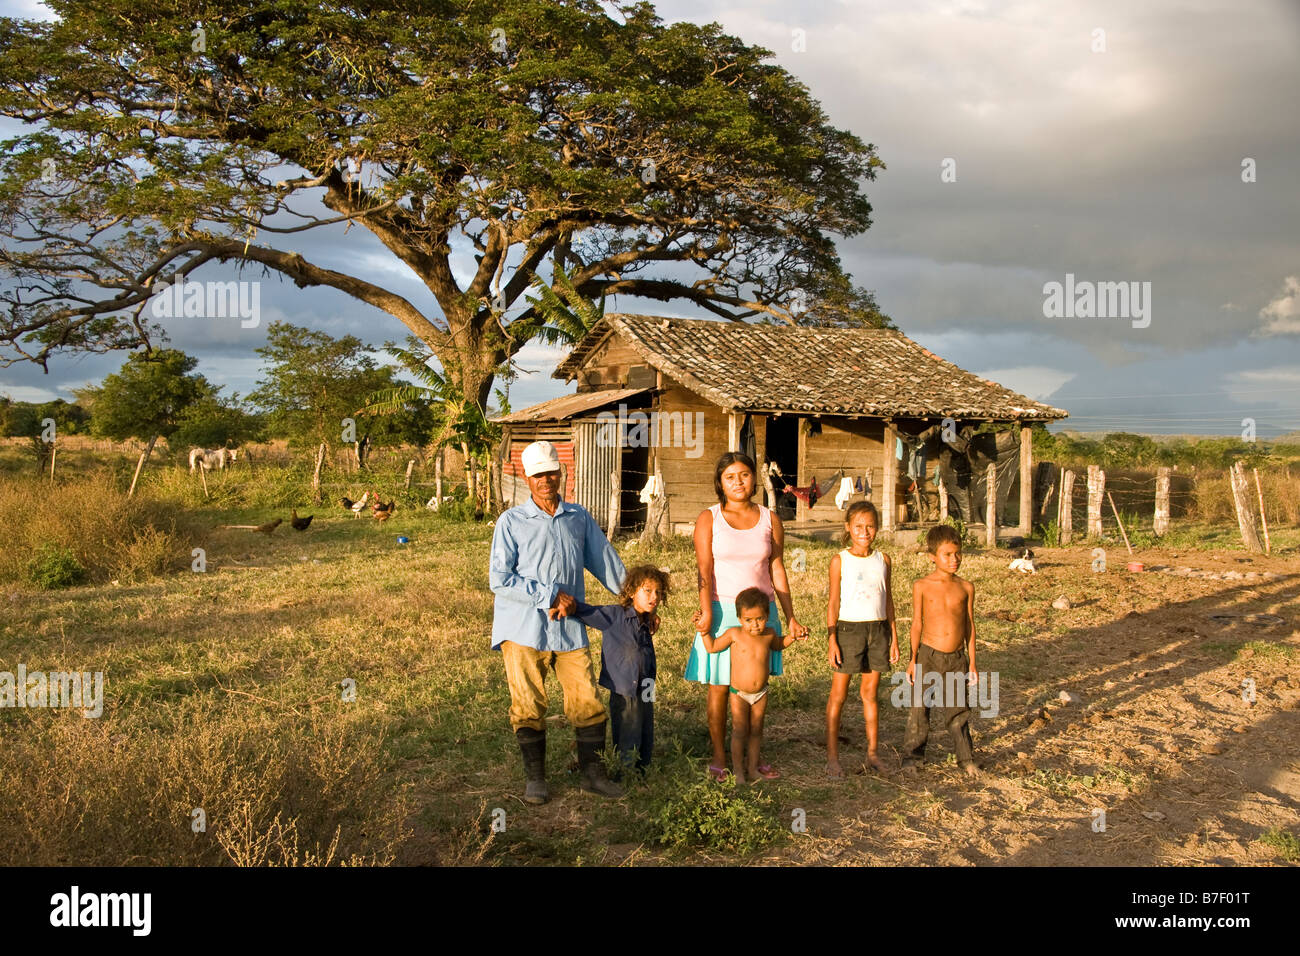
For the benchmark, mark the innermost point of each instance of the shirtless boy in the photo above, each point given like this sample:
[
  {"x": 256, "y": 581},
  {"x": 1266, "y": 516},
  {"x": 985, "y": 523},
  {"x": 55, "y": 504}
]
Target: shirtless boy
[
  {"x": 943, "y": 642},
  {"x": 750, "y": 645}
]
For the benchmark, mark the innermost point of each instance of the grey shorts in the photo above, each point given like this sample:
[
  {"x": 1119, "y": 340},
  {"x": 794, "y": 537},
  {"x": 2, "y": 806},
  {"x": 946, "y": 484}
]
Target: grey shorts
[{"x": 864, "y": 646}]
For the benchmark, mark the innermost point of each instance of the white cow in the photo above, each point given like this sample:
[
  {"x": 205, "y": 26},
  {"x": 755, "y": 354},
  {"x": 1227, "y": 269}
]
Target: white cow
[{"x": 211, "y": 459}]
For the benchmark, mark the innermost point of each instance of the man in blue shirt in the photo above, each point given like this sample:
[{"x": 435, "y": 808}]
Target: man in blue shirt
[{"x": 539, "y": 552}]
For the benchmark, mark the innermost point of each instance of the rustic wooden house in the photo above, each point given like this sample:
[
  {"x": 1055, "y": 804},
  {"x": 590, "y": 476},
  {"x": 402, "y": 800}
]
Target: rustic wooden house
[{"x": 667, "y": 396}]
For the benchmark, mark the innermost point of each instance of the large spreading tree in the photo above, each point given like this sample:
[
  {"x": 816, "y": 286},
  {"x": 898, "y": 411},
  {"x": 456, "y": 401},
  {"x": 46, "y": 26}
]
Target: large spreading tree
[{"x": 483, "y": 143}]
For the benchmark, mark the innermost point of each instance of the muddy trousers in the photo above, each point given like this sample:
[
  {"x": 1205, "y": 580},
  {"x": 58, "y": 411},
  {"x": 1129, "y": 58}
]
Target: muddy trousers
[{"x": 955, "y": 711}]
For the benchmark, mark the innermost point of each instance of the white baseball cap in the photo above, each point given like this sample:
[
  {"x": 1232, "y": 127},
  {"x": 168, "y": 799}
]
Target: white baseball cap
[{"x": 539, "y": 457}]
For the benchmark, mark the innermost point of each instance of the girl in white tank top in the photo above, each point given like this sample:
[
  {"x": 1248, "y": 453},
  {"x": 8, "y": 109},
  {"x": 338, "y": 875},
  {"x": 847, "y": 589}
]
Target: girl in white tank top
[
  {"x": 862, "y": 632},
  {"x": 862, "y": 587}
]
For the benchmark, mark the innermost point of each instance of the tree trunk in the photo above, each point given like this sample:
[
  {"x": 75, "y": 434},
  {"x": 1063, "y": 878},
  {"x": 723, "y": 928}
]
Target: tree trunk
[
  {"x": 144, "y": 456},
  {"x": 315, "y": 478}
]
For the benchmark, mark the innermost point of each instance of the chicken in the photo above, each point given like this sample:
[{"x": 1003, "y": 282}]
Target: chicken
[
  {"x": 356, "y": 507},
  {"x": 299, "y": 524},
  {"x": 384, "y": 511}
]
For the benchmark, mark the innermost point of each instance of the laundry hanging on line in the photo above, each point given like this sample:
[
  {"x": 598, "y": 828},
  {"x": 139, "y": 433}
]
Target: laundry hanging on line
[{"x": 845, "y": 493}]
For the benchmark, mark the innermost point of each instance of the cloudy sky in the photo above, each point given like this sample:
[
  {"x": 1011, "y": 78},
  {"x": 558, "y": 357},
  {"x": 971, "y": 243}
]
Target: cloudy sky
[{"x": 1024, "y": 142}]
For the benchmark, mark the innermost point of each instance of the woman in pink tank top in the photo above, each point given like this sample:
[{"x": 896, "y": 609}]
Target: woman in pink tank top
[{"x": 738, "y": 545}]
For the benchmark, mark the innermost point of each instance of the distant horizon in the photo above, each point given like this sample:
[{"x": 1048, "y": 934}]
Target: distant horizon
[{"x": 1092, "y": 204}]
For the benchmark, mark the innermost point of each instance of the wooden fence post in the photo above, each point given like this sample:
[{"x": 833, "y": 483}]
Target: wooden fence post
[
  {"x": 1245, "y": 510},
  {"x": 1067, "y": 506},
  {"x": 768, "y": 489},
  {"x": 615, "y": 501},
  {"x": 1263, "y": 520},
  {"x": 1096, "y": 491},
  {"x": 943, "y": 500},
  {"x": 437, "y": 479},
  {"x": 410, "y": 466},
  {"x": 1161, "y": 523},
  {"x": 657, "y": 511},
  {"x": 991, "y": 508},
  {"x": 144, "y": 456},
  {"x": 1026, "y": 526}
]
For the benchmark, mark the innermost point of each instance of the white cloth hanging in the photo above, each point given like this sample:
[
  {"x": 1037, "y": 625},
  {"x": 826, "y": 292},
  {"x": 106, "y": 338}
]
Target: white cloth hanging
[
  {"x": 845, "y": 493},
  {"x": 654, "y": 488}
]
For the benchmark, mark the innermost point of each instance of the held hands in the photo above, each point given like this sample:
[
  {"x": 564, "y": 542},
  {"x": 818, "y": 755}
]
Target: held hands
[
  {"x": 565, "y": 604},
  {"x": 797, "y": 630},
  {"x": 703, "y": 620}
]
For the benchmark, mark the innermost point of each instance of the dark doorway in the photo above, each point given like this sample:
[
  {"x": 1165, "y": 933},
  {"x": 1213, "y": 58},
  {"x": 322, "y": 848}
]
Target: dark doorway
[{"x": 783, "y": 448}]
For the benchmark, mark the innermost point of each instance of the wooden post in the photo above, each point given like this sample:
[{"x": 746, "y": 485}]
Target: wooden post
[
  {"x": 734, "y": 423},
  {"x": 801, "y": 471},
  {"x": 1268, "y": 547},
  {"x": 144, "y": 456},
  {"x": 1067, "y": 506},
  {"x": 1026, "y": 526},
  {"x": 54, "y": 451},
  {"x": 1245, "y": 513},
  {"x": 315, "y": 478},
  {"x": 437, "y": 478},
  {"x": 1096, "y": 491},
  {"x": 615, "y": 501},
  {"x": 410, "y": 466},
  {"x": 1115, "y": 512},
  {"x": 943, "y": 499},
  {"x": 991, "y": 507},
  {"x": 767, "y": 487},
  {"x": 1161, "y": 523},
  {"x": 657, "y": 511},
  {"x": 889, "y": 482}
]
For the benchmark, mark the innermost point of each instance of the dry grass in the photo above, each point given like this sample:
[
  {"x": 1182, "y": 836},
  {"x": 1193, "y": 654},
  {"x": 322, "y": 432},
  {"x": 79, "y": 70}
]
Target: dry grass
[{"x": 222, "y": 692}]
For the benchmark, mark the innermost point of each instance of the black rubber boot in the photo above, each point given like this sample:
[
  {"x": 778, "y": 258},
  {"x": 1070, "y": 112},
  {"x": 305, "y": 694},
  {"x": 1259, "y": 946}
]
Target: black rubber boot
[
  {"x": 532, "y": 743},
  {"x": 591, "y": 741}
]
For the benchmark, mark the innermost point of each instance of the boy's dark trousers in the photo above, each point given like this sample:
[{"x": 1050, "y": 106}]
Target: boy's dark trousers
[
  {"x": 956, "y": 718},
  {"x": 632, "y": 722}
]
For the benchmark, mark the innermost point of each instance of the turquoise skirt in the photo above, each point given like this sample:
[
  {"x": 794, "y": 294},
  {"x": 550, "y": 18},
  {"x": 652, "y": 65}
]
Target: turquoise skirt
[{"x": 706, "y": 668}]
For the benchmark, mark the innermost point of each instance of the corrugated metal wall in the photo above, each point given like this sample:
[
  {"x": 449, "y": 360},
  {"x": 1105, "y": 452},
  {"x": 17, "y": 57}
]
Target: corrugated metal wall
[{"x": 595, "y": 458}]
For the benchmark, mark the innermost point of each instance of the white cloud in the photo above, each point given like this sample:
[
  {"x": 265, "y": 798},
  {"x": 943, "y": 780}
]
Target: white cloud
[{"x": 1283, "y": 312}]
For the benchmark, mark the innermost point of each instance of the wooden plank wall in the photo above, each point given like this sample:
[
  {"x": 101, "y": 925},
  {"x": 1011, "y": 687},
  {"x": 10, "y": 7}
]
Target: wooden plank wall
[
  {"x": 609, "y": 364},
  {"x": 853, "y": 444},
  {"x": 689, "y": 481}
]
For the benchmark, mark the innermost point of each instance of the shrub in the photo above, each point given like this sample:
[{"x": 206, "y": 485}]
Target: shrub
[
  {"x": 54, "y": 568},
  {"x": 723, "y": 816}
]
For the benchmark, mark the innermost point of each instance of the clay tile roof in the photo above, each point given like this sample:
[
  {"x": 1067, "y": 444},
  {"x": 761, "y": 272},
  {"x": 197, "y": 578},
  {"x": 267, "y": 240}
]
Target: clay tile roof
[{"x": 744, "y": 367}]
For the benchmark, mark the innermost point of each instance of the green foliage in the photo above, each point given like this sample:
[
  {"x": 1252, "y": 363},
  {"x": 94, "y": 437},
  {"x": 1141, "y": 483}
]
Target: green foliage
[
  {"x": 313, "y": 381},
  {"x": 719, "y": 815},
  {"x": 1284, "y": 841},
  {"x": 148, "y": 396},
  {"x": 216, "y": 422},
  {"x": 967, "y": 539},
  {"x": 1049, "y": 533},
  {"x": 54, "y": 568},
  {"x": 414, "y": 126}
]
